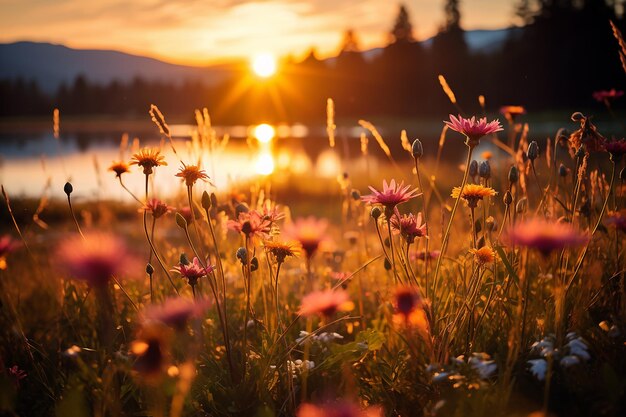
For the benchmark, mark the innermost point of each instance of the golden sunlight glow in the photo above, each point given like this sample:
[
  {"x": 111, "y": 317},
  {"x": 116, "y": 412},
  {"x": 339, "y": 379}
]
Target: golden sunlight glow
[
  {"x": 264, "y": 133},
  {"x": 264, "y": 65},
  {"x": 265, "y": 164}
]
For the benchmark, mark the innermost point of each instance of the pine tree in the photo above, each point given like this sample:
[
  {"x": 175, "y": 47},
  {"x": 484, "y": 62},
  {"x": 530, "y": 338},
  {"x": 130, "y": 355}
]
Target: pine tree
[
  {"x": 402, "y": 30},
  {"x": 453, "y": 15}
]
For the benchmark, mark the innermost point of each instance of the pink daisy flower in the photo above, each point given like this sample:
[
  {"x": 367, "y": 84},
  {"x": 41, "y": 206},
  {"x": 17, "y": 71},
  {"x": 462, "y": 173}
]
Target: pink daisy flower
[
  {"x": 391, "y": 195},
  {"x": 611, "y": 94},
  {"x": 310, "y": 232},
  {"x": 473, "y": 129},
  {"x": 546, "y": 236},
  {"x": 94, "y": 259},
  {"x": 176, "y": 311},
  {"x": 408, "y": 226},
  {"x": 157, "y": 208},
  {"x": 193, "y": 271},
  {"x": 252, "y": 224},
  {"x": 326, "y": 303}
]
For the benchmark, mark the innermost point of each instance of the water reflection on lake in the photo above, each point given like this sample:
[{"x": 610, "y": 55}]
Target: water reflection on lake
[{"x": 29, "y": 160}]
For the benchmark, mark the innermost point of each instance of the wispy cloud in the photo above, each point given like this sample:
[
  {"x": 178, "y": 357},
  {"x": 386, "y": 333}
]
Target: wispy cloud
[{"x": 200, "y": 30}]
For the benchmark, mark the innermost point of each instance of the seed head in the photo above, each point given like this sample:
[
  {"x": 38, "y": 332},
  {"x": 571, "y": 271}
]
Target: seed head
[
  {"x": 513, "y": 175},
  {"x": 68, "y": 188},
  {"x": 484, "y": 170},
  {"x": 533, "y": 151},
  {"x": 417, "y": 149},
  {"x": 473, "y": 168}
]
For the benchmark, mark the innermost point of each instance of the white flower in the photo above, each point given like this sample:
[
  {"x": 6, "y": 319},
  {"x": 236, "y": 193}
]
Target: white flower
[
  {"x": 303, "y": 336},
  {"x": 570, "y": 360},
  {"x": 482, "y": 365},
  {"x": 538, "y": 368},
  {"x": 578, "y": 347},
  {"x": 328, "y": 337}
]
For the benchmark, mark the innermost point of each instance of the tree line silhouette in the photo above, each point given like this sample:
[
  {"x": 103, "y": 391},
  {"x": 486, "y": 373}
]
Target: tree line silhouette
[{"x": 564, "y": 51}]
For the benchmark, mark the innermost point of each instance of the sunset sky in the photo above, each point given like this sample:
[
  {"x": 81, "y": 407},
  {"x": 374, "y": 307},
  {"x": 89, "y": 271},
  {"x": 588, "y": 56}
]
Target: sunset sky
[{"x": 203, "y": 31}]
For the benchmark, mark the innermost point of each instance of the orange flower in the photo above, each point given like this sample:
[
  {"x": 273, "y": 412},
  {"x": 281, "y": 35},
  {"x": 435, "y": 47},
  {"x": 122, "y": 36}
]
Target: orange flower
[
  {"x": 325, "y": 303},
  {"x": 119, "y": 168},
  {"x": 484, "y": 255},
  {"x": 511, "y": 112},
  {"x": 281, "y": 250},
  {"x": 472, "y": 193},
  {"x": 147, "y": 159},
  {"x": 191, "y": 174}
]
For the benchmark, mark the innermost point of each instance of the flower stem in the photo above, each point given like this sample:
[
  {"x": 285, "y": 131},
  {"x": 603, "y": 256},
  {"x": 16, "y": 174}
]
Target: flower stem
[{"x": 444, "y": 242}]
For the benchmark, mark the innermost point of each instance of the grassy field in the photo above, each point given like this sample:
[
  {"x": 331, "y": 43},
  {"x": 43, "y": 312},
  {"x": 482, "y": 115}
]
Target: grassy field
[{"x": 407, "y": 286}]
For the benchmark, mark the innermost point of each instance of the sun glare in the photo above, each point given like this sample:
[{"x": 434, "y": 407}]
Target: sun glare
[
  {"x": 265, "y": 164},
  {"x": 264, "y": 133},
  {"x": 264, "y": 65}
]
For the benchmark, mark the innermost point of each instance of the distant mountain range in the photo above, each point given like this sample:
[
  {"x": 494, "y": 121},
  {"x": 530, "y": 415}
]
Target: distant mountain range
[{"x": 50, "y": 64}]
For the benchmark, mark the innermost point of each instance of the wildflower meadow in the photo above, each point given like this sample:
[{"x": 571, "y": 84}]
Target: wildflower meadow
[{"x": 421, "y": 288}]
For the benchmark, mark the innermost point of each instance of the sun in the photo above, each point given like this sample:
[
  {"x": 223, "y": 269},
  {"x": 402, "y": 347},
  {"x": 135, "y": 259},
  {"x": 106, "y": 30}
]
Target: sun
[
  {"x": 264, "y": 65},
  {"x": 264, "y": 133}
]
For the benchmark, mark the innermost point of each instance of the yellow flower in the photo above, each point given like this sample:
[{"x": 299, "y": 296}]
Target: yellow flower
[
  {"x": 191, "y": 174},
  {"x": 147, "y": 159},
  {"x": 119, "y": 168},
  {"x": 281, "y": 250},
  {"x": 472, "y": 193},
  {"x": 484, "y": 255}
]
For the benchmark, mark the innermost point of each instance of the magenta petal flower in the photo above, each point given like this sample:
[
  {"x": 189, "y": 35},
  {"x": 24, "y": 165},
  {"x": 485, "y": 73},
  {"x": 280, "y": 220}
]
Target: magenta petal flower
[
  {"x": 176, "y": 311},
  {"x": 193, "y": 271},
  {"x": 603, "y": 95},
  {"x": 546, "y": 236},
  {"x": 391, "y": 195},
  {"x": 94, "y": 259},
  {"x": 408, "y": 226},
  {"x": 473, "y": 129}
]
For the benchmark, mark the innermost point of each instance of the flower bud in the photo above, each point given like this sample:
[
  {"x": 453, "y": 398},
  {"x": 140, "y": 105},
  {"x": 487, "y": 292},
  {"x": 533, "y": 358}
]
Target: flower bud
[
  {"x": 180, "y": 221},
  {"x": 473, "y": 168},
  {"x": 206, "y": 201},
  {"x": 577, "y": 116},
  {"x": 213, "y": 200},
  {"x": 183, "y": 259},
  {"x": 563, "y": 171},
  {"x": 242, "y": 255},
  {"x": 533, "y": 151},
  {"x": 513, "y": 175},
  {"x": 376, "y": 212},
  {"x": 387, "y": 264},
  {"x": 149, "y": 269},
  {"x": 490, "y": 224},
  {"x": 356, "y": 195},
  {"x": 254, "y": 264},
  {"x": 417, "y": 149},
  {"x": 484, "y": 170},
  {"x": 508, "y": 198},
  {"x": 67, "y": 188}
]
